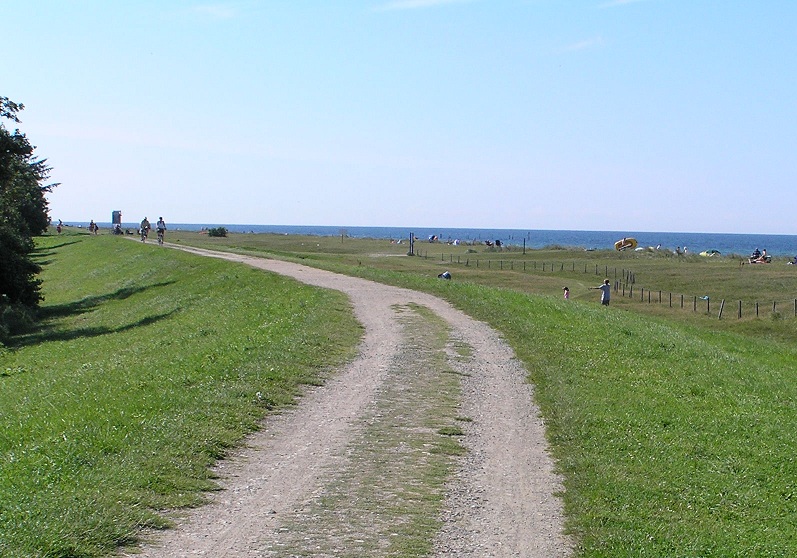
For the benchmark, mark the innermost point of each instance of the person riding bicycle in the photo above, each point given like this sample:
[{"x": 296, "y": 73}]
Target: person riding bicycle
[
  {"x": 161, "y": 227},
  {"x": 144, "y": 230}
]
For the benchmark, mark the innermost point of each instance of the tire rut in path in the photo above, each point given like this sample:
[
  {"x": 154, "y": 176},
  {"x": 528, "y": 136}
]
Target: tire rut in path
[{"x": 500, "y": 503}]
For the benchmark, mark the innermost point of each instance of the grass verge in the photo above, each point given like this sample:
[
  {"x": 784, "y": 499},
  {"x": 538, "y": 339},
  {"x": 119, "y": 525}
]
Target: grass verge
[{"x": 149, "y": 364}]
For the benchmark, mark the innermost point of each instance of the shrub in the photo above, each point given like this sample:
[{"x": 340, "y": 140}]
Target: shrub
[
  {"x": 217, "y": 232},
  {"x": 14, "y": 318}
]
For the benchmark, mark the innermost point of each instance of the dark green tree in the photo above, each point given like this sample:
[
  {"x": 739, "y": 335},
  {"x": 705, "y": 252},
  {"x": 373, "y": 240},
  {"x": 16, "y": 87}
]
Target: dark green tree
[{"x": 23, "y": 215}]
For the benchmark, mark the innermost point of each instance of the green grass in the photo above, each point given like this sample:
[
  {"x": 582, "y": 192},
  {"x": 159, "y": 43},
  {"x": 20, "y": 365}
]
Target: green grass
[
  {"x": 149, "y": 365},
  {"x": 674, "y": 431}
]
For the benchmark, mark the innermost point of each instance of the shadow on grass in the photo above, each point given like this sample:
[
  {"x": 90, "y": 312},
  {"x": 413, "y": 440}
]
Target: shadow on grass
[
  {"x": 48, "y": 313},
  {"x": 44, "y": 250},
  {"x": 46, "y": 331}
]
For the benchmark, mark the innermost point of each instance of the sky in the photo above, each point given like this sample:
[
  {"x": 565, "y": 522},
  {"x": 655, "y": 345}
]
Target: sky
[{"x": 638, "y": 115}]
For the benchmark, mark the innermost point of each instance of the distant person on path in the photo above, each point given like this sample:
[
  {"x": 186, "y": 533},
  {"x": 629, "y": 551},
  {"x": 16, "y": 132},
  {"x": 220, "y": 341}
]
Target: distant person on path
[
  {"x": 144, "y": 229},
  {"x": 566, "y": 292},
  {"x": 161, "y": 226},
  {"x": 606, "y": 291}
]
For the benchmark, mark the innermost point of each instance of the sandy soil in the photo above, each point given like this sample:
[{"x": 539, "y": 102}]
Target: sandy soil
[{"x": 500, "y": 503}]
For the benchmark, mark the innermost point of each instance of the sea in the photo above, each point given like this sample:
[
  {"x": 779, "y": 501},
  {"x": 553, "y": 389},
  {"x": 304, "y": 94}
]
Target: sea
[{"x": 725, "y": 243}]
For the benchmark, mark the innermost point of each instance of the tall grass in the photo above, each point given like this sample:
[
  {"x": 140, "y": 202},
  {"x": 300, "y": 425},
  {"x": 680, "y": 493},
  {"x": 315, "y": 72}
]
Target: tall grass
[{"x": 149, "y": 365}]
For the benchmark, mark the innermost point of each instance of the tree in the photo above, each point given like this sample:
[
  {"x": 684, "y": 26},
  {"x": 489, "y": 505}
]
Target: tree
[{"x": 23, "y": 215}]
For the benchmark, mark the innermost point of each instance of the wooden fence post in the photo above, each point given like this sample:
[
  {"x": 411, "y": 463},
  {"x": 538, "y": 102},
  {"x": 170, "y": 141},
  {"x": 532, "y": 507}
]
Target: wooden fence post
[
  {"x": 722, "y": 305},
  {"x": 740, "y": 309}
]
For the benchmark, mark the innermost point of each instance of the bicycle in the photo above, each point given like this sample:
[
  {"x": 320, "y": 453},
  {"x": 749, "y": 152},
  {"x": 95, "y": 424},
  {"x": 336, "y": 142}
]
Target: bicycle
[
  {"x": 160, "y": 236},
  {"x": 144, "y": 233}
]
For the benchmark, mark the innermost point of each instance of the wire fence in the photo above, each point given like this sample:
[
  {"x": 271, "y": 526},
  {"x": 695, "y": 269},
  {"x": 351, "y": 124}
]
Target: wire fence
[{"x": 624, "y": 284}]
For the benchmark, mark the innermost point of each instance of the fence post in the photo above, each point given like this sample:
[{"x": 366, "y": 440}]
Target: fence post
[
  {"x": 722, "y": 305},
  {"x": 682, "y": 301},
  {"x": 670, "y": 300},
  {"x": 740, "y": 309},
  {"x": 694, "y": 304},
  {"x": 774, "y": 304},
  {"x": 756, "y": 309},
  {"x": 642, "y": 295},
  {"x": 659, "y": 297}
]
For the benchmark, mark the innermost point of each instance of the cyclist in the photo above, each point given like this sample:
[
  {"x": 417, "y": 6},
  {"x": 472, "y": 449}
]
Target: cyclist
[
  {"x": 144, "y": 230},
  {"x": 161, "y": 227}
]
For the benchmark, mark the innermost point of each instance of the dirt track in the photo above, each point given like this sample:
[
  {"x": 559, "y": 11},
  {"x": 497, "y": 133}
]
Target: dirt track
[{"x": 500, "y": 502}]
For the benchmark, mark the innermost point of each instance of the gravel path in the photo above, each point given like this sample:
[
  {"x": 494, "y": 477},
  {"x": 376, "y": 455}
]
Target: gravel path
[{"x": 500, "y": 503}]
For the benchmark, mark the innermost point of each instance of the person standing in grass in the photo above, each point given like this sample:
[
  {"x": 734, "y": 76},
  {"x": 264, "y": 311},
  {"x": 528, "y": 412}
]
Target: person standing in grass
[
  {"x": 606, "y": 291},
  {"x": 566, "y": 292}
]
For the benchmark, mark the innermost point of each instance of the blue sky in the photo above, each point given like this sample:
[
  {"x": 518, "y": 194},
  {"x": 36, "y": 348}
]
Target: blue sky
[{"x": 646, "y": 115}]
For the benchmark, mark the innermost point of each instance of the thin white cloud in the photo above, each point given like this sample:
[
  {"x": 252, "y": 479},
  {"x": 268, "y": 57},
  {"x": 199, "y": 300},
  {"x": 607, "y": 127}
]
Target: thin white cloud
[
  {"x": 416, "y": 4},
  {"x": 595, "y": 42}
]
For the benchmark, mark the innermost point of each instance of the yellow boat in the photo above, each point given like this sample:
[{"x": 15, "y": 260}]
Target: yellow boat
[{"x": 625, "y": 244}]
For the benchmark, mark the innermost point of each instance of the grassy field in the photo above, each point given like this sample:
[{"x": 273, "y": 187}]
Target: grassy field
[
  {"x": 674, "y": 429},
  {"x": 148, "y": 366}
]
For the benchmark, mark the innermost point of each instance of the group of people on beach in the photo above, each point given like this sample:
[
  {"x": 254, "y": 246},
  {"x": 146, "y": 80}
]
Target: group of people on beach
[{"x": 759, "y": 256}]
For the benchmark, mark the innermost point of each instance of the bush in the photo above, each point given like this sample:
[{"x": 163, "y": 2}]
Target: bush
[
  {"x": 217, "y": 232},
  {"x": 14, "y": 318}
]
